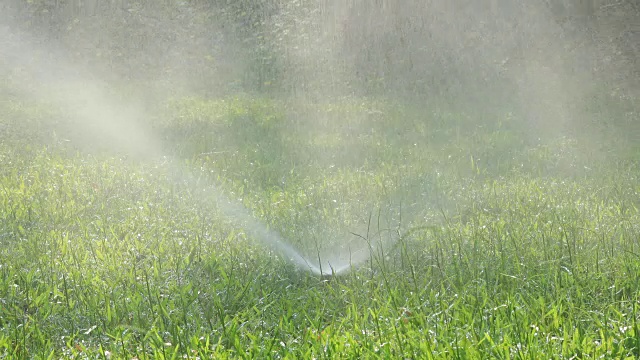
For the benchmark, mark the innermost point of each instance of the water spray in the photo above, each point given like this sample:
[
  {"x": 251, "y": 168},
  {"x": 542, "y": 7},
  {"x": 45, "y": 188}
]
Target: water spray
[{"x": 99, "y": 116}]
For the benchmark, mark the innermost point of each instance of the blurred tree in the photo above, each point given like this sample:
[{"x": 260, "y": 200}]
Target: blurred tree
[{"x": 391, "y": 47}]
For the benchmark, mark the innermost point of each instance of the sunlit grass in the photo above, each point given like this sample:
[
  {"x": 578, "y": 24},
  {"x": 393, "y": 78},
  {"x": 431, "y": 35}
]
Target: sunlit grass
[{"x": 505, "y": 249}]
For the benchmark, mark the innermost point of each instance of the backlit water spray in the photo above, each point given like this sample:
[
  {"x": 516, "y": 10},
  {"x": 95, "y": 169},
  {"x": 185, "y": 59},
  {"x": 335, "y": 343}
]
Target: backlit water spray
[{"x": 97, "y": 115}]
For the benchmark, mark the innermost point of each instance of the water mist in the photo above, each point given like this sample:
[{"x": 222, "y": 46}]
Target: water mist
[{"x": 97, "y": 115}]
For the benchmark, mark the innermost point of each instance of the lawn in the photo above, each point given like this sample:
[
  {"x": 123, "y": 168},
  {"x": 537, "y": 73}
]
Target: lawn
[{"x": 458, "y": 236}]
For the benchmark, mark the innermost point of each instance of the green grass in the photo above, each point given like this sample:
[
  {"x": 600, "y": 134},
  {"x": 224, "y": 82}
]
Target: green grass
[{"x": 505, "y": 249}]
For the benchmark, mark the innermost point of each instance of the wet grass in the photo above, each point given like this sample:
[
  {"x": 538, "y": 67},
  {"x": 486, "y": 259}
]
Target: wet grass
[{"x": 505, "y": 248}]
